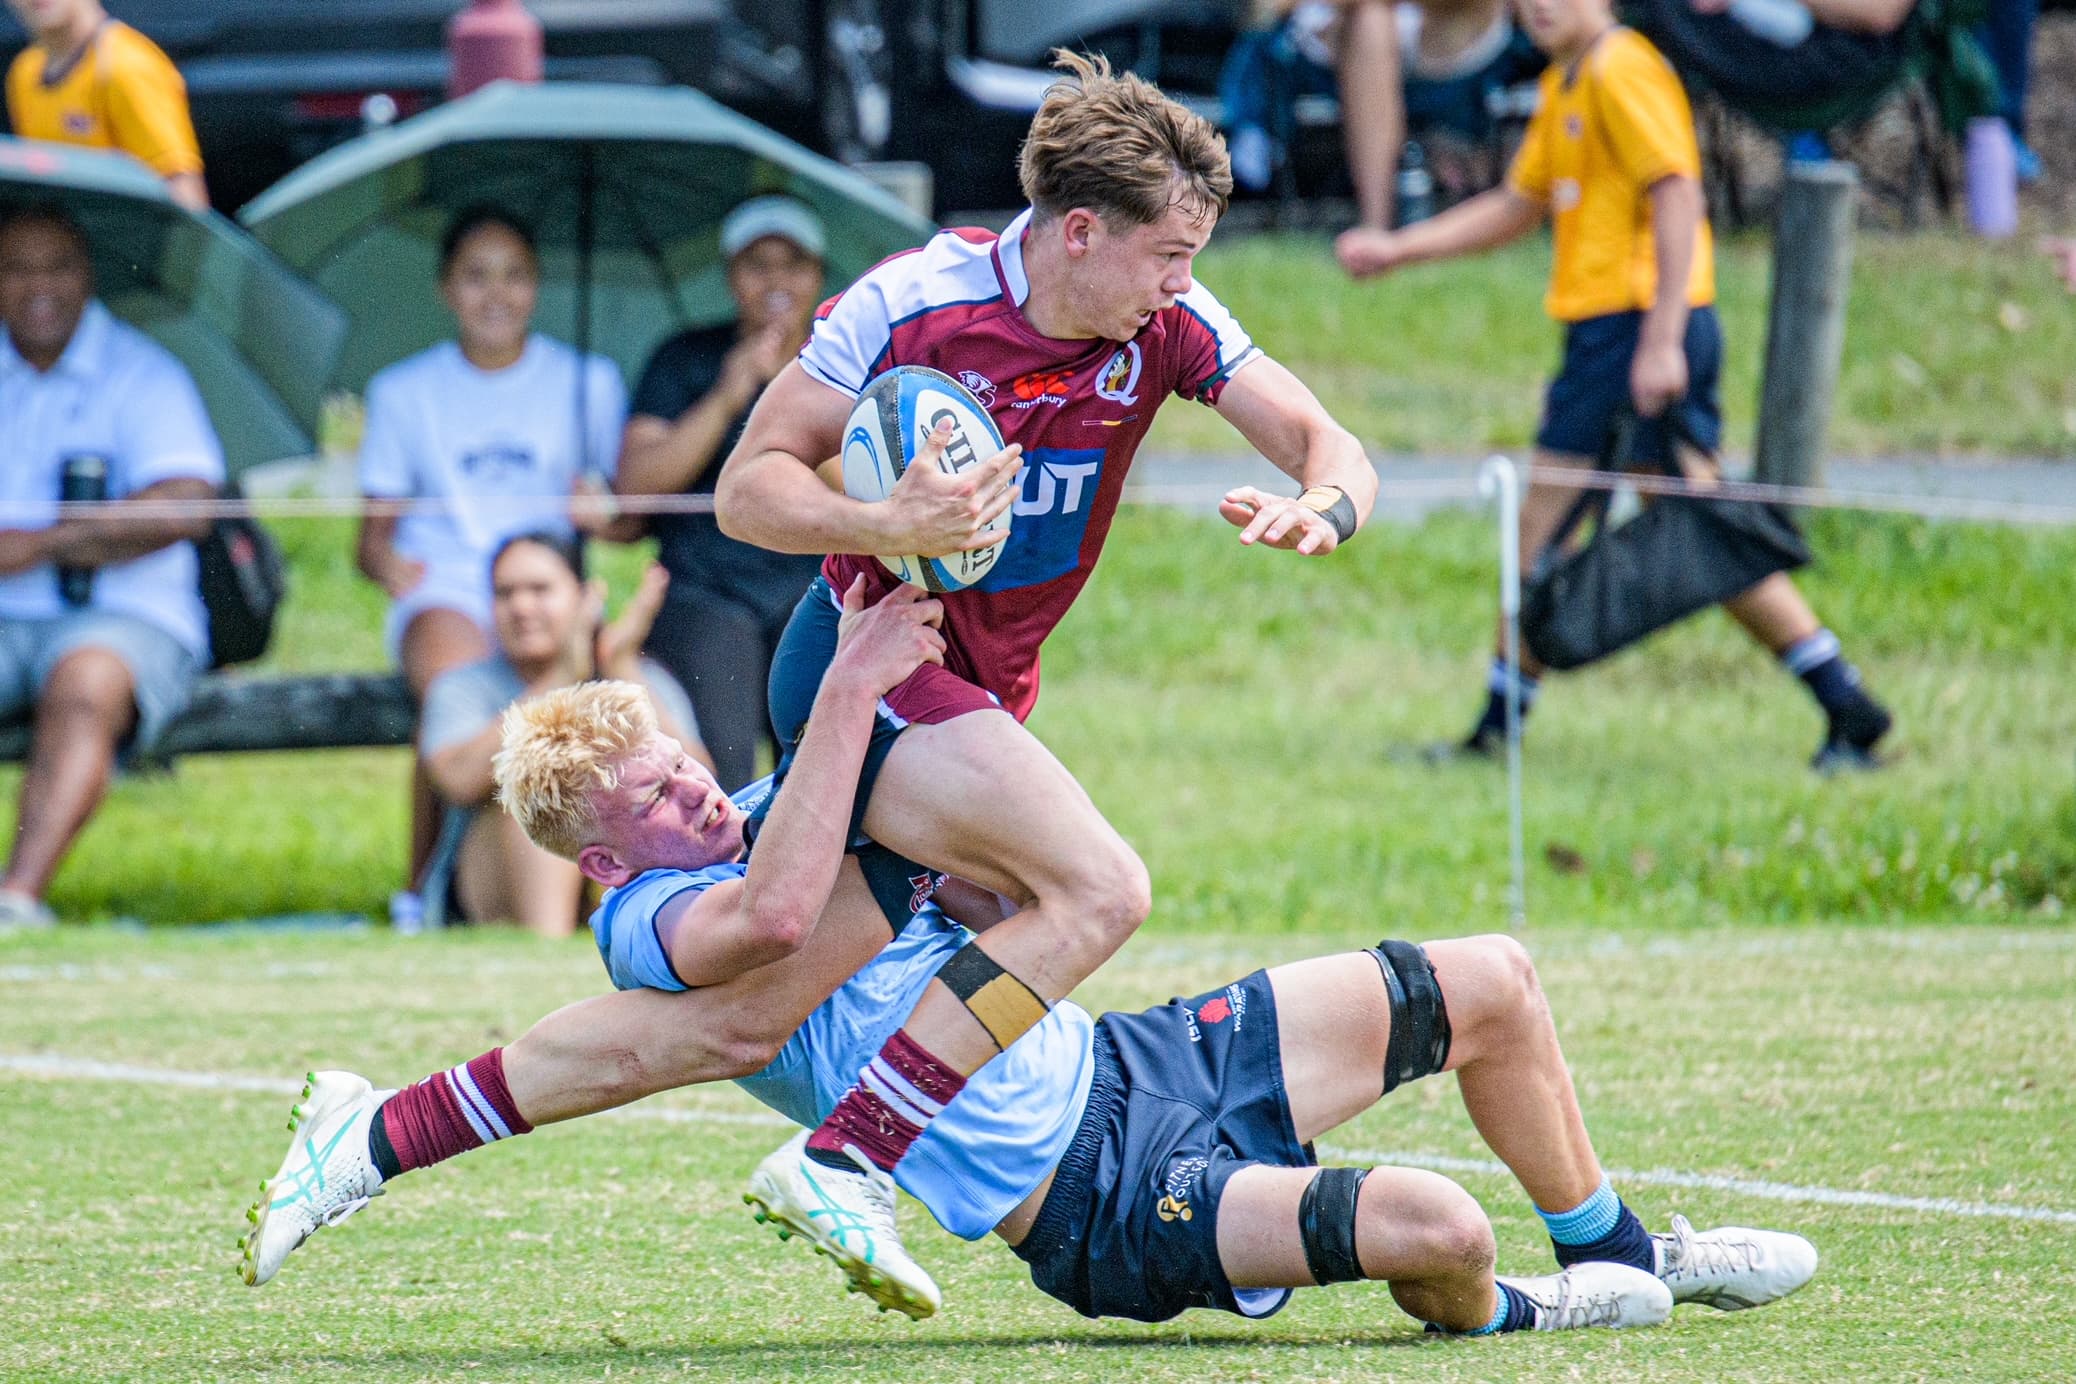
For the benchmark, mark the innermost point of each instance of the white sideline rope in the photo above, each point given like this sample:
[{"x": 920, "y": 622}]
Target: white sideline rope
[
  {"x": 57, "y": 1066},
  {"x": 1440, "y": 488}
]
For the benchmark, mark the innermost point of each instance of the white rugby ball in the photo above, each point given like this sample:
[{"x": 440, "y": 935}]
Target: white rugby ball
[{"x": 893, "y": 419}]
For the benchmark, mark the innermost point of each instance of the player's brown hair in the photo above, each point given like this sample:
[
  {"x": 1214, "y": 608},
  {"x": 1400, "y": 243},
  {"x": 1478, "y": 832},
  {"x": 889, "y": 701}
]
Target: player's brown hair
[
  {"x": 561, "y": 748},
  {"x": 1115, "y": 144}
]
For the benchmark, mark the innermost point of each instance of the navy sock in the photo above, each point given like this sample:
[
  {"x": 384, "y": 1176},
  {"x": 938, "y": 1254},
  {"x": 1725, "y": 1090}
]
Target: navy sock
[
  {"x": 1515, "y": 1311},
  {"x": 1601, "y": 1228},
  {"x": 1494, "y": 719},
  {"x": 1835, "y": 683},
  {"x": 1628, "y": 1243},
  {"x": 380, "y": 1151}
]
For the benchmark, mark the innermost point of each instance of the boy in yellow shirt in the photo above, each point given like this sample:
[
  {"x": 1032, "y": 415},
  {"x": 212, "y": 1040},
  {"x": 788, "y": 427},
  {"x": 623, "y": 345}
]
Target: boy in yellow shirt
[
  {"x": 1611, "y": 158},
  {"x": 92, "y": 80}
]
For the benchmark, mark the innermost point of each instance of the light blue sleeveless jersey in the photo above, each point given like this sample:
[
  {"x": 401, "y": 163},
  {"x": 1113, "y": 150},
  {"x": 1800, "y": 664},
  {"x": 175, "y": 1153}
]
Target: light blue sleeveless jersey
[{"x": 994, "y": 1143}]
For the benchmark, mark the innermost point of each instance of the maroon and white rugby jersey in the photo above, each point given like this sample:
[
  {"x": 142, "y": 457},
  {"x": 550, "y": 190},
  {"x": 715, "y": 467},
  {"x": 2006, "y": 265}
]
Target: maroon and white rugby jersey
[{"x": 1080, "y": 409}]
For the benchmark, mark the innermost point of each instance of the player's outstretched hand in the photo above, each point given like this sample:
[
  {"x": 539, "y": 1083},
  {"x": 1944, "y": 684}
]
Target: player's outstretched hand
[
  {"x": 881, "y": 644},
  {"x": 936, "y": 514},
  {"x": 1366, "y": 252},
  {"x": 1280, "y": 521}
]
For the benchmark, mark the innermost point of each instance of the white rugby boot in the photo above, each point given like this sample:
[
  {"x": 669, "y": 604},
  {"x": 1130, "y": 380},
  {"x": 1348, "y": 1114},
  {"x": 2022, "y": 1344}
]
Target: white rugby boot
[
  {"x": 1596, "y": 1293},
  {"x": 848, "y": 1216},
  {"x": 326, "y": 1177},
  {"x": 1732, "y": 1268}
]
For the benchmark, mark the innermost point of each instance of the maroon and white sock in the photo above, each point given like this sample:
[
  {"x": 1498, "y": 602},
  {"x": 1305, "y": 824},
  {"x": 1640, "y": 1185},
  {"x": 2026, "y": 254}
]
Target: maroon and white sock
[
  {"x": 449, "y": 1112},
  {"x": 897, "y": 1095}
]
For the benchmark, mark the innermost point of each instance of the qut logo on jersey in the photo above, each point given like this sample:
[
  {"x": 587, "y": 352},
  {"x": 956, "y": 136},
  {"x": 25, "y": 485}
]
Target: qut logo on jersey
[
  {"x": 1056, "y": 493},
  {"x": 1048, "y": 486}
]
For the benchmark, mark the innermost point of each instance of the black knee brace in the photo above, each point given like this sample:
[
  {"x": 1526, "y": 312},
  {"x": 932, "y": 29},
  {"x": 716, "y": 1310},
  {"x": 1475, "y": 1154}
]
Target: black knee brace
[
  {"x": 1326, "y": 1224},
  {"x": 1419, "y": 1021}
]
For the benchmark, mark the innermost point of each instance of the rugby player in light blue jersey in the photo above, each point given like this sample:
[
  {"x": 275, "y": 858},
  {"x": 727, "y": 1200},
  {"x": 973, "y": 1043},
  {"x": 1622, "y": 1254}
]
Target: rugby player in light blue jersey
[{"x": 1141, "y": 1164}]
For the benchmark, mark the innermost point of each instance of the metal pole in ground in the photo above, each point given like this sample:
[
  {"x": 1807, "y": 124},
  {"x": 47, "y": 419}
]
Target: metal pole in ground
[
  {"x": 1500, "y": 478},
  {"x": 1805, "y": 333}
]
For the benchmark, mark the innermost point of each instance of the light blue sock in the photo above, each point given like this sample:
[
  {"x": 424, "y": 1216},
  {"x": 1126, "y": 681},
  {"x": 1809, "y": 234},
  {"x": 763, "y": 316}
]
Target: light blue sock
[
  {"x": 1592, "y": 1219},
  {"x": 1499, "y": 1315}
]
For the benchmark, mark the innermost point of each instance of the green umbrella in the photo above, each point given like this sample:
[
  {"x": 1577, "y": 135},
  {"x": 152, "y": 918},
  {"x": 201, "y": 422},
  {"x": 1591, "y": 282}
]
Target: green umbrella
[
  {"x": 260, "y": 342},
  {"x": 624, "y": 186}
]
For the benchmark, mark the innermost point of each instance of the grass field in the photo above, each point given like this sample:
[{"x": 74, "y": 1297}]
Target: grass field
[
  {"x": 1903, "y": 1062},
  {"x": 1853, "y": 987},
  {"x": 1952, "y": 345},
  {"x": 1244, "y": 718}
]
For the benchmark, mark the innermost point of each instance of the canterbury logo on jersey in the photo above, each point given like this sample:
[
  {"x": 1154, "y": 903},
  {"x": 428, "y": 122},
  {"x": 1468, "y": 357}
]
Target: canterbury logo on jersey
[{"x": 1041, "y": 387}]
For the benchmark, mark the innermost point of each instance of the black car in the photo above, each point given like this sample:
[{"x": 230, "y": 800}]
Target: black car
[{"x": 272, "y": 82}]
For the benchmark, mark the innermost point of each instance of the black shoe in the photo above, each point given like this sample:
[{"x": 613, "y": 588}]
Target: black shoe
[
  {"x": 1487, "y": 743},
  {"x": 1837, "y": 756},
  {"x": 1849, "y": 742}
]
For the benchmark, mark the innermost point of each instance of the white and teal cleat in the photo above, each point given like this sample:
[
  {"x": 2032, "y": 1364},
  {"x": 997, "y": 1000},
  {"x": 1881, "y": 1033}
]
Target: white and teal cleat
[
  {"x": 1732, "y": 1268},
  {"x": 326, "y": 1177},
  {"x": 848, "y": 1216},
  {"x": 1596, "y": 1294}
]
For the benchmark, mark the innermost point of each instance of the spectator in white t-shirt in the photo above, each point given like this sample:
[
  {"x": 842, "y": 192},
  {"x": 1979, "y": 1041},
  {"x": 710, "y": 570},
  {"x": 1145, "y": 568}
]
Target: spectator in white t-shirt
[
  {"x": 493, "y": 426},
  {"x": 550, "y": 633},
  {"x": 106, "y": 653}
]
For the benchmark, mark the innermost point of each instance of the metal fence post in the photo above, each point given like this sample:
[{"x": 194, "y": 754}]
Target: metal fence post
[
  {"x": 1500, "y": 478},
  {"x": 1805, "y": 334}
]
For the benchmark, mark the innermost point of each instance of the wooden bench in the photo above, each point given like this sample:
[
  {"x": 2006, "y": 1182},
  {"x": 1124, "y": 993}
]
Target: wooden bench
[{"x": 233, "y": 713}]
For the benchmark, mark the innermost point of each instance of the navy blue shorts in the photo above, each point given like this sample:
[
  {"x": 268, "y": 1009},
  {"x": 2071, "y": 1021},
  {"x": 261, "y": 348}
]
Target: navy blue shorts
[
  {"x": 899, "y": 885},
  {"x": 1185, "y": 1095},
  {"x": 930, "y": 695},
  {"x": 1592, "y": 387}
]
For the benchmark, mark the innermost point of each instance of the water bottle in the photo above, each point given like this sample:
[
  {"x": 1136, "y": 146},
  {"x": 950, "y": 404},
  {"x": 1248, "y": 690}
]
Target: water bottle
[
  {"x": 1991, "y": 161},
  {"x": 1415, "y": 185},
  {"x": 1783, "y": 23},
  {"x": 84, "y": 478},
  {"x": 407, "y": 913}
]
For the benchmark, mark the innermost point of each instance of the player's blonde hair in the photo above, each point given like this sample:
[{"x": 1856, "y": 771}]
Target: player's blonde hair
[
  {"x": 1113, "y": 143},
  {"x": 560, "y": 749}
]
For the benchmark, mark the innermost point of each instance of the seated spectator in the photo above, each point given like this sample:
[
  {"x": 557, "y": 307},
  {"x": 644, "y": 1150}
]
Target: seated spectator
[
  {"x": 1425, "y": 64},
  {"x": 728, "y": 601},
  {"x": 1783, "y": 61},
  {"x": 549, "y": 634},
  {"x": 88, "y": 79},
  {"x": 102, "y": 630},
  {"x": 491, "y": 426}
]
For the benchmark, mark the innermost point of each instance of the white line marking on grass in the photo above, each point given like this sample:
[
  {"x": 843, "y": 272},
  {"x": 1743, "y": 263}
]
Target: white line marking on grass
[
  {"x": 53, "y": 1065},
  {"x": 87, "y": 1069},
  {"x": 1742, "y": 1186}
]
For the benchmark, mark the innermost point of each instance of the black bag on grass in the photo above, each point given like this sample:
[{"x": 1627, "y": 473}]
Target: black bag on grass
[
  {"x": 1681, "y": 554},
  {"x": 243, "y": 580}
]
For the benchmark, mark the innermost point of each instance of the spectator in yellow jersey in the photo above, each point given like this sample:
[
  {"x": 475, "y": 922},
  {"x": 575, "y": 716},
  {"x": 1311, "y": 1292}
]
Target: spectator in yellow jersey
[
  {"x": 1611, "y": 158},
  {"x": 92, "y": 80}
]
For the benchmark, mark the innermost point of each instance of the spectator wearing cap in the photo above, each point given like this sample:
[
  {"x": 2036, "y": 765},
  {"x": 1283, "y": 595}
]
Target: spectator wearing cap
[
  {"x": 88, "y": 79},
  {"x": 728, "y": 601},
  {"x": 102, "y": 630}
]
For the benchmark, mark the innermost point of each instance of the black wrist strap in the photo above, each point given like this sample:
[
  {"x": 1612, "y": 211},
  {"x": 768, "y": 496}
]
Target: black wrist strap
[{"x": 1338, "y": 510}]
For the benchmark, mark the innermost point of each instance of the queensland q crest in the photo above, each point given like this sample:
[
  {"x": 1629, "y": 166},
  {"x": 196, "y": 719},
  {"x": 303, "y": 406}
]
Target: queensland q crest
[{"x": 1119, "y": 381}]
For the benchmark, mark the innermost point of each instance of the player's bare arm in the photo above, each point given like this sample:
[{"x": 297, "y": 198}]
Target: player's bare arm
[
  {"x": 1658, "y": 374},
  {"x": 720, "y": 933},
  {"x": 769, "y": 494},
  {"x": 1483, "y": 222},
  {"x": 1283, "y": 420}
]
